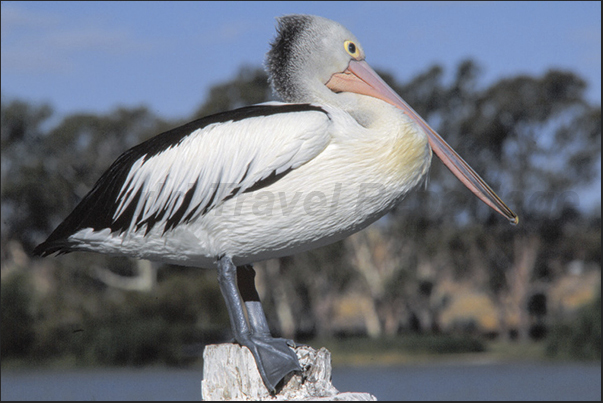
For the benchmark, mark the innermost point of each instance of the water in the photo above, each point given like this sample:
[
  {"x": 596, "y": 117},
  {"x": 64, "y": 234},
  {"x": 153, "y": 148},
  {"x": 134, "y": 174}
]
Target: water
[
  {"x": 507, "y": 381},
  {"x": 105, "y": 384}
]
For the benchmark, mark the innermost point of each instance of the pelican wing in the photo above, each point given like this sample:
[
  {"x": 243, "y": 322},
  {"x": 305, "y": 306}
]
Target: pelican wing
[{"x": 188, "y": 171}]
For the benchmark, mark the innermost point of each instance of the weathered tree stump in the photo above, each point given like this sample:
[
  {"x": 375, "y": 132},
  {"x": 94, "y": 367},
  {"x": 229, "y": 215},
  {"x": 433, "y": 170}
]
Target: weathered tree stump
[{"x": 230, "y": 373}]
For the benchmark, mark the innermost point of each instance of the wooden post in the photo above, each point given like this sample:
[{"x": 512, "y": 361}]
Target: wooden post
[{"x": 230, "y": 373}]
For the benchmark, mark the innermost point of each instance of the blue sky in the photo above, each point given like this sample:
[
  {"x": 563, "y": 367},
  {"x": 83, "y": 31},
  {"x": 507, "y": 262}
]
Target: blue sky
[{"x": 95, "y": 56}]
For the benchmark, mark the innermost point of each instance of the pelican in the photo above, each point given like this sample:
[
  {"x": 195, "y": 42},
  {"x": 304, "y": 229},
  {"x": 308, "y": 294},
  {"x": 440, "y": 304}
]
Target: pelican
[{"x": 268, "y": 180}]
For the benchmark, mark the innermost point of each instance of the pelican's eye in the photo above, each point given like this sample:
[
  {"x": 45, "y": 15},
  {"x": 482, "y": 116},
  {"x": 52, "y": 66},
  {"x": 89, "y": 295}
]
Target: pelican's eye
[{"x": 352, "y": 49}]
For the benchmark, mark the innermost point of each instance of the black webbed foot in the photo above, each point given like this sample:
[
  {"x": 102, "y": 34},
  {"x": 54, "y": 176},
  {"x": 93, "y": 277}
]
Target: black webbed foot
[{"x": 273, "y": 356}]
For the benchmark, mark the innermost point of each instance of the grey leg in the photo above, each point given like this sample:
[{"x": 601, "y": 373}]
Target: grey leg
[
  {"x": 273, "y": 356},
  {"x": 255, "y": 312},
  {"x": 227, "y": 280}
]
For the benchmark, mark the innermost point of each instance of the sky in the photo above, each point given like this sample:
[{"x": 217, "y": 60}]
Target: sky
[{"x": 96, "y": 56}]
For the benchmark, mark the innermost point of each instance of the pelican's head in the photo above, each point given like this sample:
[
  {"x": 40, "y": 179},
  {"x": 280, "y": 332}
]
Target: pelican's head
[
  {"x": 306, "y": 53},
  {"x": 314, "y": 59}
]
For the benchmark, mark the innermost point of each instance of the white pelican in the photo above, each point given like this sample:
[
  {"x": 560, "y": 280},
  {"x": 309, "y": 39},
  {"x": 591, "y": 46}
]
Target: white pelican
[{"x": 267, "y": 180}]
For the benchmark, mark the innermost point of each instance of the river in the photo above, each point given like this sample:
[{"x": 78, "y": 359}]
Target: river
[{"x": 485, "y": 381}]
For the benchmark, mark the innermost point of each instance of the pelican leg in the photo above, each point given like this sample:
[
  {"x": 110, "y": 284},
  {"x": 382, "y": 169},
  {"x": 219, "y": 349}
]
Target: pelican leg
[
  {"x": 251, "y": 298},
  {"x": 273, "y": 356},
  {"x": 253, "y": 305}
]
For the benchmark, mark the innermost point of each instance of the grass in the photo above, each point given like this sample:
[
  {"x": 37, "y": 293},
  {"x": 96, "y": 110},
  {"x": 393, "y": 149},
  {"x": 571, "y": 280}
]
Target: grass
[
  {"x": 416, "y": 349},
  {"x": 362, "y": 351}
]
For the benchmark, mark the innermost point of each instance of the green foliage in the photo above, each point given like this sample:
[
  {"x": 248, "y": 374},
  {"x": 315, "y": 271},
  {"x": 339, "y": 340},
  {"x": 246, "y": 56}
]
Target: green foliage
[
  {"x": 580, "y": 337},
  {"x": 22, "y": 123},
  {"x": 17, "y": 316},
  {"x": 133, "y": 328},
  {"x": 249, "y": 87},
  {"x": 533, "y": 137},
  {"x": 41, "y": 180},
  {"x": 96, "y": 325}
]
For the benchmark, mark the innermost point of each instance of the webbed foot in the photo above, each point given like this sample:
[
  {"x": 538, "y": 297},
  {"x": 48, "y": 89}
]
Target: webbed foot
[{"x": 273, "y": 356}]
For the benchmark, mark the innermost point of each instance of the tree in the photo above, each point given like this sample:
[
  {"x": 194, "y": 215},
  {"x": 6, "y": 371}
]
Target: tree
[
  {"x": 534, "y": 135},
  {"x": 22, "y": 132},
  {"x": 249, "y": 87},
  {"x": 534, "y": 139}
]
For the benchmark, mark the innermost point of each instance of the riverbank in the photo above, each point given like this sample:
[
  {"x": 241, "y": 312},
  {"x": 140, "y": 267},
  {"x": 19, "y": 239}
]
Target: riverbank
[
  {"x": 420, "y": 349},
  {"x": 362, "y": 351}
]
